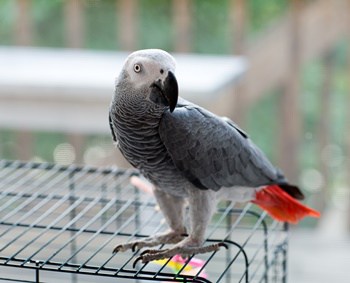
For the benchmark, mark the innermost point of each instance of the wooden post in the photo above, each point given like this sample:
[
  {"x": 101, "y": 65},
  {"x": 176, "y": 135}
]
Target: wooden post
[
  {"x": 290, "y": 115},
  {"x": 182, "y": 25},
  {"x": 237, "y": 22},
  {"x": 24, "y": 145},
  {"x": 23, "y": 25},
  {"x": 75, "y": 37},
  {"x": 347, "y": 135},
  {"x": 23, "y": 35},
  {"x": 325, "y": 125},
  {"x": 237, "y": 27},
  {"x": 78, "y": 142},
  {"x": 127, "y": 13},
  {"x": 74, "y": 23}
]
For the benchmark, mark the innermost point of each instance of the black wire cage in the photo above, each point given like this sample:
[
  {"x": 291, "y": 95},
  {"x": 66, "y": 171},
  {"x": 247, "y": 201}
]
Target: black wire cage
[{"x": 61, "y": 223}]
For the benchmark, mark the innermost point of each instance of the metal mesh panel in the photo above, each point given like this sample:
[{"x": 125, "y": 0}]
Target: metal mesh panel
[{"x": 60, "y": 224}]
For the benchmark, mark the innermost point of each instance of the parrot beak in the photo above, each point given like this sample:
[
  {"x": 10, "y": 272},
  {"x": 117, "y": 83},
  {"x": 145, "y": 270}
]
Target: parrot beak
[
  {"x": 165, "y": 92},
  {"x": 171, "y": 90}
]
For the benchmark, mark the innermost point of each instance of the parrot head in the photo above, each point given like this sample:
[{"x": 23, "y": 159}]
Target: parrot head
[{"x": 150, "y": 73}]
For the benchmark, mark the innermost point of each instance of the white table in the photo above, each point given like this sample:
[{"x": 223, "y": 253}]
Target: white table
[{"x": 70, "y": 90}]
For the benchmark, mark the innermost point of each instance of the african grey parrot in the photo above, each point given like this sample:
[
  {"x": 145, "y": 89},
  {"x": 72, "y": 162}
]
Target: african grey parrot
[{"x": 189, "y": 154}]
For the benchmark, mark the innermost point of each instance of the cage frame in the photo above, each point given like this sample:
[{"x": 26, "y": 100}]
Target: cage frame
[{"x": 17, "y": 173}]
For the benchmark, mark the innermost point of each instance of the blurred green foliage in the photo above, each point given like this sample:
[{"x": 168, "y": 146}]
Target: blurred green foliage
[
  {"x": 7, "y": 18},
  {"x": 100, "y": 25},
  {"x": 263, "y": 13},
  {"x": 7, "y": 144},
  {"x": 45, "y": 144},
  {"x": 155, "y": 25},
  {"x": 211, "y": 33},
  {"x": 48, "y": 24},
  {"x": 210, "y": 27}
]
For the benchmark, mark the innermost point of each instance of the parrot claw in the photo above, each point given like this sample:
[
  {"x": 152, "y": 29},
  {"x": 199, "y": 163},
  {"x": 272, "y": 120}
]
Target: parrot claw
[
  {"x": 117, "y": 249},
  {"x": 134, "y": 247},
  {"x": 145, "y": 252},
  {"x": 124, "y": 247},
  {"x": 223, "y": 245},
  {"x": 136, "y": 261}
]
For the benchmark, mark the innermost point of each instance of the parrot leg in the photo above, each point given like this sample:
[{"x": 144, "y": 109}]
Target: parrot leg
[
  {"x": 202, "y": 205},
  {"x": 173, "y": 210}
]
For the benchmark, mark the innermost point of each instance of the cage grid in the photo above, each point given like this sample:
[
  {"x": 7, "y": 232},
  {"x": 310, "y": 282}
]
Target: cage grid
[{"x": 61, "y": 223}]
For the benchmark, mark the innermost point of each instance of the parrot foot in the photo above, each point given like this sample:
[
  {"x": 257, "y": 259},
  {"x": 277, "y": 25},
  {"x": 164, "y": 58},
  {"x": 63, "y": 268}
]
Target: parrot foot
[
  {"x": 171, "y": 237},
  {"x": 149, "y": 255}
]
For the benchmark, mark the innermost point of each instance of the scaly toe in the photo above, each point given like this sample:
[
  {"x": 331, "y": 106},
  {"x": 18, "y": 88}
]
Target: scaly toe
[{"x": 152, "y": 252}]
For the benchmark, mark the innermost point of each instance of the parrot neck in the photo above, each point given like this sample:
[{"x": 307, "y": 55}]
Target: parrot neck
[{"x": 136, "y": 108}]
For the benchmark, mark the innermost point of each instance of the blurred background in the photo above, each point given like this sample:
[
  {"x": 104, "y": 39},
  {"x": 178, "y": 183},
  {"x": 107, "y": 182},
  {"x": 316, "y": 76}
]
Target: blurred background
[{"x": 291, "y": 95}]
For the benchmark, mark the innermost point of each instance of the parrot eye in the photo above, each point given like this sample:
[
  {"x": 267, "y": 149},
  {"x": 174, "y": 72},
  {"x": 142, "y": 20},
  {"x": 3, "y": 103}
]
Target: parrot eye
[{"x": 137, "y": 68}]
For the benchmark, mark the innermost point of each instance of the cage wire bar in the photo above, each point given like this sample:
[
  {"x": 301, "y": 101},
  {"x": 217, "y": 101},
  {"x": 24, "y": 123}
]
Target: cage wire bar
[{"x": 61, "y": 223}]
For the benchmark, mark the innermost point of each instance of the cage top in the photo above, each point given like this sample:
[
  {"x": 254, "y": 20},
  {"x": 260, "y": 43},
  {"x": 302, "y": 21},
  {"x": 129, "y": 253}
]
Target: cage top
[{"x": 67, "y": 219}]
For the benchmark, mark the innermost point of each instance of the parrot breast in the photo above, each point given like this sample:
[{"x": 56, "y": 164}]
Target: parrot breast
[{"x": 139, "y": 141}]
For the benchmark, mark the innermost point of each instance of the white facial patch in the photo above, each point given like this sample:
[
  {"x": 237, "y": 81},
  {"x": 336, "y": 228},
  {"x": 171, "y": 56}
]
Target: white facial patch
[{"x": 146, "y": 66}]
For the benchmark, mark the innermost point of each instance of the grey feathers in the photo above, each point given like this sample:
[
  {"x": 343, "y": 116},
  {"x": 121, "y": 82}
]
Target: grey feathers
[{"x": 211, "y": 152}]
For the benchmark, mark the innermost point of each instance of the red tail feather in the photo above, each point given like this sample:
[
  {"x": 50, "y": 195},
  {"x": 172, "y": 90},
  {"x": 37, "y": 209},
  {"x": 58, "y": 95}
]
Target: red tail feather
[{"x": 281, "y": 206}]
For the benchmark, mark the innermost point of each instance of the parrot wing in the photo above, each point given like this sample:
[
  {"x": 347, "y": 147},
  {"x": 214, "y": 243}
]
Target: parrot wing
[{"x": 212, "y": 152}]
